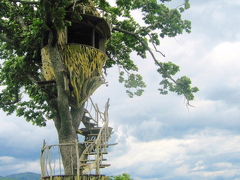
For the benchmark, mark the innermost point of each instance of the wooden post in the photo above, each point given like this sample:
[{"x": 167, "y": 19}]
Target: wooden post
[{"x": 78, "y": 161}]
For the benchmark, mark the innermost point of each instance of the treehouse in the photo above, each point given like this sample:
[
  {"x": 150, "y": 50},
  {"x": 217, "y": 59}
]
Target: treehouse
[
  {"x": 89, "y": 26},
  {"x": 82, "y": 50},
  {"x": 91, "y": 31}
]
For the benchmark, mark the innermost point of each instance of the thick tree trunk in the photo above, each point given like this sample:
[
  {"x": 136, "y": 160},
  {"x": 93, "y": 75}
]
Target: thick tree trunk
[
  {"x": 68, "y": 116},
  {"x": 68, "y": 153}
]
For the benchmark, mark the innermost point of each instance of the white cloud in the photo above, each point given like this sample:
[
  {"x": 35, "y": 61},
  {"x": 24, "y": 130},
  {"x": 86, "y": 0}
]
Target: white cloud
[
  {"x": 224, "y": 55},
  {"x": 225, "y": 165},
  {"x": 222, "y": 173},
  {"x": 17, "y": 135},
  {"x": 233, "y": 2},
  {"x": 218, "y": 71},
  {"x": 199, "y": 165},
  {"x": 6, "y": 159},
  {"x": 193, "y": 155}
]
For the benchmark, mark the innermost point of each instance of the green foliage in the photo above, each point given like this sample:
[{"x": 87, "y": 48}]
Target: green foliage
[
  {"x": 14, "y": 78},
  {"x": 22, "y": 26},
  {"x": 160, "y": 21},
  {"x": 124, "y": 176},
  {"x": 181, "y": 86}
]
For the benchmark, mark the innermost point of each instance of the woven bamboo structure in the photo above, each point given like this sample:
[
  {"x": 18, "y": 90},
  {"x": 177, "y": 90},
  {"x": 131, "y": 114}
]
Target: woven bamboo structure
[{"x": 84, "y": 65}]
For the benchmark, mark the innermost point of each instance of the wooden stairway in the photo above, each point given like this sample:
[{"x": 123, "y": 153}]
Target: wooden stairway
[{"x": 95, "y": 142}]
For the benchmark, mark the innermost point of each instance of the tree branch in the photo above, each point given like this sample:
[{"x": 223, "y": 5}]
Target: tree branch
[
  {"x": 142, "y": 41},
  {"x": 154, "y": 45},
  {"x": 145, "y": 44},
  {"x": 158, "y": 50}
]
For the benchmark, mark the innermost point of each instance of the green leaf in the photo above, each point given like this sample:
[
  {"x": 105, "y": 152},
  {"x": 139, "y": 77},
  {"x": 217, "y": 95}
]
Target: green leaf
[
  {"x": 187, "y": 4},
  {"x": 181, "y": 9}
]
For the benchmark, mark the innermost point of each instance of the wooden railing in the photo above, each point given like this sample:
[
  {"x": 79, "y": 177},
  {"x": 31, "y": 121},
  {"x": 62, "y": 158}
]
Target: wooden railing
[{"x": 90, "y": 159}]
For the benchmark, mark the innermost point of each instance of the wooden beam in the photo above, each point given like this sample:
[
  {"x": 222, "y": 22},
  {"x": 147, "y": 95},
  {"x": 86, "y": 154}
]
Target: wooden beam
[{"x": 52, "y": 82}]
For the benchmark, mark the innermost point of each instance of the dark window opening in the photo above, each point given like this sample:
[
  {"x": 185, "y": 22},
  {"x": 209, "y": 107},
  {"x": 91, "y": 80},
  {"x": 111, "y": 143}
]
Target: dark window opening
[
  {"x": 45, "y": 38},
  {"x": 97, "y": 39},
  {"x": 80, "y": 34},
  {"x": 85, "y": 34}
]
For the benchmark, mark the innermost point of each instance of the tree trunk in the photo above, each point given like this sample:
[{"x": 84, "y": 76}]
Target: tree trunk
[
  {"x": 68, "y": 118},
  {"x": 68, "y": 152},
  {"x": 68, "y": 112}
]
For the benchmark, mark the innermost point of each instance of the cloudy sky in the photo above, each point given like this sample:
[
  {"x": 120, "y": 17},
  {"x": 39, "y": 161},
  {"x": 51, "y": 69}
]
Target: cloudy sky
[{"x": 158, "y": 137}]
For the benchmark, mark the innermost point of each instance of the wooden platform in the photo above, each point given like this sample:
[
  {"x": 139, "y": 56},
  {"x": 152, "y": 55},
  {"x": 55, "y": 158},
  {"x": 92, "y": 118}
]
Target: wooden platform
[{"x": 82, "y": 177}]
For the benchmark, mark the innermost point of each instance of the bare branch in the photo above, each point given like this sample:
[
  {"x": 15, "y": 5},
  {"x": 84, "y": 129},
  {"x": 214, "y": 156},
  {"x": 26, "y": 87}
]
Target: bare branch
[
  {"x": 145, "y": 44},
  {"x": 154, "y": 45},
  {"x": 158, "y": 50}
]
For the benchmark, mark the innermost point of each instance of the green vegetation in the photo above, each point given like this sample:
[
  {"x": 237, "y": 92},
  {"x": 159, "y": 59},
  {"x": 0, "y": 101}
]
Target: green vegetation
[{"x": 124, "y": 176}]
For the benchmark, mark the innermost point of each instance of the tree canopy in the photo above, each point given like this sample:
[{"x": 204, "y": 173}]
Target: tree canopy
[{"x": 22, "y": 27}]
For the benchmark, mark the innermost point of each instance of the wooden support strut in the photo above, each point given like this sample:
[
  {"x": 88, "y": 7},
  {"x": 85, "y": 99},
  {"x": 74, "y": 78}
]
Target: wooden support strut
[{"x": 52, "y": 82}]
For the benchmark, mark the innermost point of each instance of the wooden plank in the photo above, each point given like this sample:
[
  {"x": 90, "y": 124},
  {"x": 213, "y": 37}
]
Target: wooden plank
[
  {"x": 107, "y": 145},
  {"x": 92, "y": 135},
  {"x": 92, "y": 160},
  {"x": 104, "y": 165},
  {"x": 46, "y": 82},
  {"x": 94, "y": 153},
  {"x": 88, "y": 141}
]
